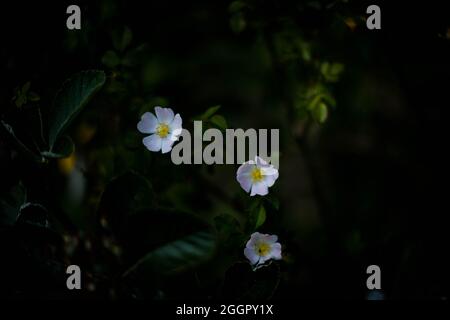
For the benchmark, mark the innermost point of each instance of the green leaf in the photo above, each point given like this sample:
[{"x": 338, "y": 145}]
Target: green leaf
[
  {"x": 324, "y": 67},
  {"x": 219, "y": 121},
  {"x": 10, "y": 204},
  {"x": 175, "y": 257},
  {"x": 110, "y": 59},
  {"x": 336, "y": 68},
  {"x": 70, "y": 100},
  {"x": 257, "y": 217},
  {"x": 141, "y": 230},
  {"x": 26, "y": 87},
  {"x": 209, "y": 112},
  {"x": 33, "y": 226},
  {"x": 329, "y": 100},
  {"x": 33, "y": 214},
  {"x": 331, "y": 71},
  {"x": 33, "y": 96},
  {"x": 19, "y": 144},
  {"x": 314, "y": 102},
  {"x": 305, "y": 50},
  {"x": 261, "y": 218},
  {"x": 20, "y": 100},
  {"x": 63, "y": 148},
  {"x": 320, "y": 113}
]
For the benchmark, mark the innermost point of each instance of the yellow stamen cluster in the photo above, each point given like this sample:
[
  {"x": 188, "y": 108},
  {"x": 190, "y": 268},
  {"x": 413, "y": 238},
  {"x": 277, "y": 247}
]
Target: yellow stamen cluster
[
  {"x": 262, "y": 249},
  {"x": 162, "y": 130},
  {"x": 256, "y": 175}
]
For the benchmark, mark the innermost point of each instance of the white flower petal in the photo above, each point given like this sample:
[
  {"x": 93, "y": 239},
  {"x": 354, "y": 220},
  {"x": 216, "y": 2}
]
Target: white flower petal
[
  {"x": 251, "y": 255},
  {"x": 174, "y": 136},
  {"x": 270, "y": 238},
  {"x": 164, "y": 115},
  {"x": 256, "y": 240},
  {"x": 148, "y": 123},
  {"x": 176, "y": 123},
  {"x": 269, "y": 171},
  {"x": 253, "y": 240},
  {"x": 260, "y": 162},
  {"x": 276, "y": 251},
  {"x": 166, "y": 145},
  {"x": 269, "y": 180},
  {"x": 259, "y": 188},
  {"x": 245, "y": 168},
  {"x": 153, "y": 142},
  {"x": 263, "y": 259},
  {"x": 245, "y": 181},
  {"x": 175, "y": 128}
]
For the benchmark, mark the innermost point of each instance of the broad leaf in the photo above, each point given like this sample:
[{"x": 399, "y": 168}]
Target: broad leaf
[
  {"x": 257, "y": 217},
  {"x": 10, "y": 204},
  {"x": 63, "y": 148},
  {"x": 128, "y": 206},
  {"x": 21, "y": 147},
  {"x": 320, "y": 113},
  {"x": 176, "y": 256},
  {"x": 33, "y": 214},
  {"x": 33, "y": 227},
  {"x": 70, "y": 100},
  {"x": 261, "y": 217}
]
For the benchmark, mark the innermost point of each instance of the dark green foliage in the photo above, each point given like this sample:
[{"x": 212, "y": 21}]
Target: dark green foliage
[
  {"x": 361, "y": 121},
  {"x": 69, "y": 101},
  {"x": 175, "y": 256},
  {"x": 242, "y": 283}
]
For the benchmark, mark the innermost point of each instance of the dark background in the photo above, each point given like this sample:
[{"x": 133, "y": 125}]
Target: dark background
[{"x": 367, "y": 187}]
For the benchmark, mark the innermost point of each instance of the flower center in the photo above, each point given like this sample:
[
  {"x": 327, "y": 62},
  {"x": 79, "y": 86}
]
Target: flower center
[
  {"x": 262, "y": 249},
  {"x": 256, "y": 175},
  {"x": 162, "y": 130}
]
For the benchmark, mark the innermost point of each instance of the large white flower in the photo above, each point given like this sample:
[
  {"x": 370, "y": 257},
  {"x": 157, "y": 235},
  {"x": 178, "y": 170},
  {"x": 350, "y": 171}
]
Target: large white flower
[
  {"x": 256, "y": 176},
  {"x": 165, "y": 129},
  {"x": 261, "y": 248}
]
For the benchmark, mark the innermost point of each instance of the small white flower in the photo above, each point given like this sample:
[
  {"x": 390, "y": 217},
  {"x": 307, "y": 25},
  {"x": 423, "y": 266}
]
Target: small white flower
[
  {"x": 261, "y": 248},
  {"x": 256, "y": 176},
  {"x": 165, "y": 129}
]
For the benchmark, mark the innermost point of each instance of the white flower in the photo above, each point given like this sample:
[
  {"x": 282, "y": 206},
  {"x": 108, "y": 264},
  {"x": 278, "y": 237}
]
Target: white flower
[
  {"x": 165, "y": 129},
  {"x": 261, "y": 248},
  {"x": 256, "y": 176}
]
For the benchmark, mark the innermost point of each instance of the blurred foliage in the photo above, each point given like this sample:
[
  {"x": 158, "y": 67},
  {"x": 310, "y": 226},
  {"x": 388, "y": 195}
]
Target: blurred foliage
[{"x": 79, "y": 187}]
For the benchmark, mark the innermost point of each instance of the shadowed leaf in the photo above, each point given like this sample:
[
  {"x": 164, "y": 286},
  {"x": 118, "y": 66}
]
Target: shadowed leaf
[
  {"x": 70, "y": 100},
  {"x": 176, "y": 256},
  {"x": 63, "y": 148}
]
